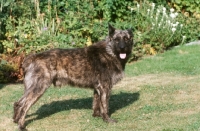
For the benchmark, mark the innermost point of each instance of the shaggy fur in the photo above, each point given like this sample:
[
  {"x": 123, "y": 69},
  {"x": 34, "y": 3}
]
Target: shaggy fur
[{"x": 98, "y": 67}]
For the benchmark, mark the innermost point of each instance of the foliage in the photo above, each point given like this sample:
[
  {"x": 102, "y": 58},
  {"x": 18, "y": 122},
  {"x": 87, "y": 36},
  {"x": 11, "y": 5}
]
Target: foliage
[
  {"x": 191, "y": 28},
  {"x": 190, "y": 7},
  {"x": 29, "y": 32},
  {"x": 159, "y": 29},
  {"x": 49, "y": 24},
  {"x": 187, "y": 7},
  {"x": 8, "y": 72},
  {"x": 191, "y": 11}
]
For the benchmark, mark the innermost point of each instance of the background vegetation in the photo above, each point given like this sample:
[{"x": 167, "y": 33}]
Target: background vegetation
[{"x": 34, "y": 26}]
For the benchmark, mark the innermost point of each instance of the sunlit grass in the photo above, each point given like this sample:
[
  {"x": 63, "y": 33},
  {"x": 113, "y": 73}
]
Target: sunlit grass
[{"x": 180, "y": 60}]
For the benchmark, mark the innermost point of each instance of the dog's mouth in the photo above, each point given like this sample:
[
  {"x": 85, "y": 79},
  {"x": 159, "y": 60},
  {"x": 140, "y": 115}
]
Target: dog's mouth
[{"x": 122, "y": 55}]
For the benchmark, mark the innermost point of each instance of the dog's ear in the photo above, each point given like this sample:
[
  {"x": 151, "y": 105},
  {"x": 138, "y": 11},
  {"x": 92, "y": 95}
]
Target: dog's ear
[
  {"x": 111, "y": 30},
  {"x": 130, "y": 32}
]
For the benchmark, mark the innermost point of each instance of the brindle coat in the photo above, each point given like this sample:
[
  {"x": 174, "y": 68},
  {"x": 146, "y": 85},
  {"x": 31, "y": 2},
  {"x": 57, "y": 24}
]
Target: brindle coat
[{"x": 98, "y": 66}]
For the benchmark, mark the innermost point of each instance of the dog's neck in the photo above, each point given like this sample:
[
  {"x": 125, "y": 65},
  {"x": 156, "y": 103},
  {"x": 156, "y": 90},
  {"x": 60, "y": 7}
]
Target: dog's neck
[{"x": 109, "y": 47}]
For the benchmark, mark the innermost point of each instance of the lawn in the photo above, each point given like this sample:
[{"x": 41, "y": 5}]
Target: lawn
[{"x": 159, "y": 93}]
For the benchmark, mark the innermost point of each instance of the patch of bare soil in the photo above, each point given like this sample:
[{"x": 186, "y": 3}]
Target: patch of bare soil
[{"x": 157, "y": 80}]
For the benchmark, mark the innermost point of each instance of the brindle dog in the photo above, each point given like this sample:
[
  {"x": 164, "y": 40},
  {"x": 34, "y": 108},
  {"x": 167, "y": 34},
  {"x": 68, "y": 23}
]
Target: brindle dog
[{"x": 98, "y": 67}]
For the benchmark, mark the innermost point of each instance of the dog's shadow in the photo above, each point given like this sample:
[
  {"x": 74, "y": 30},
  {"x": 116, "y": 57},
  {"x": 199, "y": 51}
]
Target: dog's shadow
[
  {"x": 117, "y": 102},
  {"x": 2, "y": 86}
]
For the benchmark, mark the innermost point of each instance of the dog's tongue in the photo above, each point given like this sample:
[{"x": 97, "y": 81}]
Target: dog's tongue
[{"x": 122, "y": 55}]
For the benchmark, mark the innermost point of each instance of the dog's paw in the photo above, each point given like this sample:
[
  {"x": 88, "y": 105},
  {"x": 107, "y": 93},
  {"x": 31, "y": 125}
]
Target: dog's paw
[
  {"x": 22, "y": 128},
  {"x": 111, "y": 120},
  {"x": 96, "y": 115}
]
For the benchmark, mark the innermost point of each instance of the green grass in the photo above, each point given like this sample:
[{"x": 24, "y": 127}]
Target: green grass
[
  {"x": 159, "y": 93},
  {"x": 181, "y": 60}
]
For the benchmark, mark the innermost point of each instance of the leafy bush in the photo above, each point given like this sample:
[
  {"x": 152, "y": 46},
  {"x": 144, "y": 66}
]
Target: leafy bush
[
  {"x": 191, "y": 11},
  {"x": 30, "y": 32},
  {"x": 8, "y": 72},
  {"x": 157, "y": 28},
  {"x": 190, "y": 7},
  {"x": 65, "y": 24}
]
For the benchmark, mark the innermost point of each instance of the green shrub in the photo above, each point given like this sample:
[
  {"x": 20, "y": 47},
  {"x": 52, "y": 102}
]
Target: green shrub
[
  {"x": 157, "y": 28},
  {"x": 40, "y": 25},
  {"x": 187, "y": 6},
  {"x": 8, "y": 72},
  {"x": 191, "y": 11},
  {"x": 49, "y": 24}
]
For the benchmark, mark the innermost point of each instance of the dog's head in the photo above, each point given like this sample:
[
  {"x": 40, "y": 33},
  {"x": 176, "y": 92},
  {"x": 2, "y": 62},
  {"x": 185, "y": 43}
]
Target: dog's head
[{"x": 121, "y": 42}]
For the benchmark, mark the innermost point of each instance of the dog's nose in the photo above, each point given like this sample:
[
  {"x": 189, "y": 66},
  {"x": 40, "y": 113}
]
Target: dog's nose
[{"x": 121, "y": 45}]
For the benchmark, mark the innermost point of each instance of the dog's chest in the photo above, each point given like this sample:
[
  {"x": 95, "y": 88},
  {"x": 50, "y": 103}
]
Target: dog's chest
[{"x": 116, "y": 77}]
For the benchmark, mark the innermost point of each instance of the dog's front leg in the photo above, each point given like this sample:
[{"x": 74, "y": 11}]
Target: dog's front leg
[
  {"x": 96, "y": 104},
  {"x": 104, "y": 104}
]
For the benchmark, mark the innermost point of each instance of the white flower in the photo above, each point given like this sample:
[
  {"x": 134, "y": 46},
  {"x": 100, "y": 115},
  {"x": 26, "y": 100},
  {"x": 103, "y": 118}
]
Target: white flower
[
  {"x": 153, "y": 4},
  {"x": 164, "y": 14},
  {"x": 176, "y": 14},
  {"x": 177, "y": 23},
  {"x": 172, "y": 15},
  {"x": 158, "y": 12},
  {"x": 174, "y": 25},
  {"x": 164, "y": 9},
  {"x": 172, "y": 10},
  {"x": 181, "y": 25},
  {"x": 138, "y": 5},
  {"x": 153, "y": 25},
  {"x": 183, "y": 40},
  {"x": 148, "y": 10},
  {"x": 173, "y": 29},
  {"x": 131, "y": 9}
]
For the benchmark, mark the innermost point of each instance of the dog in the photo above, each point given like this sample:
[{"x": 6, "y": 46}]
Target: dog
[{"x": 99, "y": 67}]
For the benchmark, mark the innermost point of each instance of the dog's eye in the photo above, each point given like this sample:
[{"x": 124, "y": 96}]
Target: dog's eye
[
  {"x": 126, "y": 39},
  {"x": 116, "y": 40}
]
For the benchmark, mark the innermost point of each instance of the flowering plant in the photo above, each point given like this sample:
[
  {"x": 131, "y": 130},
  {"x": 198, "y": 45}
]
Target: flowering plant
[{"x": 156, "y": 28}]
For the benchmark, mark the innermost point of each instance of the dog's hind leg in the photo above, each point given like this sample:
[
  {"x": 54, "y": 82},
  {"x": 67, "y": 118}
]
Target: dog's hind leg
[{"x": 31, "y": 95}]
